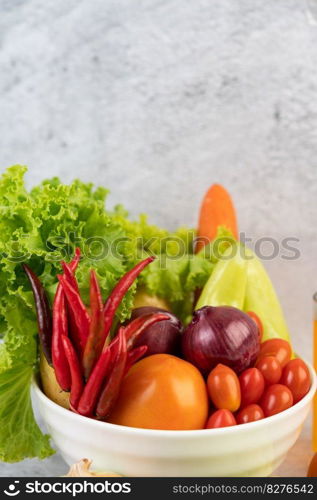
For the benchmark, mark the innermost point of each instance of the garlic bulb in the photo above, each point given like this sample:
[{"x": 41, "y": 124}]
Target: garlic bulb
[{"x": 82, "y": 469}]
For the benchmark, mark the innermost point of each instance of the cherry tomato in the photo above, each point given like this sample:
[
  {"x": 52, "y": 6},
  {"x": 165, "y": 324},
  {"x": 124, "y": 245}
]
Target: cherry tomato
[
  {"x": 224, "y": 388},
  {"x": 270, "y": 369},
  {"x": 250, "y": 413},
  {"x": 162, "y": 392},
  {"x": 279, "y": 348},
  {"x": 297, "y": 378},
  {"x": 252, "y": 386},
  {"x": 221, "y": 418},
  {"x": 258, "y": 322},
  {"x": 276, "y": 398}
]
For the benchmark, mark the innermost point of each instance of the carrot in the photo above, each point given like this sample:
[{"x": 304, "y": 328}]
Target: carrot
[{"x": 216, "y": 210}]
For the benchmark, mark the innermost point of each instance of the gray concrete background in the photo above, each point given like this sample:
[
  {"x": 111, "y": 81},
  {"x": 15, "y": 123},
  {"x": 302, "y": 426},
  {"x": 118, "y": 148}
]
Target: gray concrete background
[{"x": 156, "y": 100}]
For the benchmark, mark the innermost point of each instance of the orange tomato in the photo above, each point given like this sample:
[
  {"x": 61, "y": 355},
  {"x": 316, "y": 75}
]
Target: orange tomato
[
  {"x": 250, "y": 413},
  {"x": 221, "y": 418},
  {"x": 270, "y": 369},
  {"x": 251, "y": 385},
  {"x": 257, "y": 321},
  {"x": 279, "y": 348},
  {"x": 224, "y": 388},
  {"x": 276, "y": 398},
  {"x": 297, "y": 378},
  {"x": 162, "y": 392}
]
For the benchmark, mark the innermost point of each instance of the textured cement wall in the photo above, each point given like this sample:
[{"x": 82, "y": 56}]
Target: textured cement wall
[{"x": 157, "y": 99}]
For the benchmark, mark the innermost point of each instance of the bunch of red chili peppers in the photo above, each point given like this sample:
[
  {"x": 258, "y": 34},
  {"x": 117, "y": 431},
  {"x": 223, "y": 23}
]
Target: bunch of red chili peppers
[{"x": 76, "y": 341}]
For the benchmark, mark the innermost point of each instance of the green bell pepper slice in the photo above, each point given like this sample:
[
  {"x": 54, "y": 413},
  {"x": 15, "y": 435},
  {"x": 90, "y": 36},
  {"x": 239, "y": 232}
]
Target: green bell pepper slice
[
  {"x": 228, "y": 281},
  {"x": 239, "y": 279},
  {"x": 261, "y": 298}
]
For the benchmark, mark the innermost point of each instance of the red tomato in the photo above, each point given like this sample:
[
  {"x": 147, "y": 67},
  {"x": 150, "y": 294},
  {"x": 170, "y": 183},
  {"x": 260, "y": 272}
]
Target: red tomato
[
  {"x": 224, "y": 388},
  {"x": 250, "y": 413},
  {"x": 279, "y": 348},
  {"x": 258, "y": 322},
  {"x": 252, "y": 386},
  {"x": 296, "y": 377},
  {"x": 221, "y": 418},
  {"x": 276, "y": 398},
  {"x": 270, "y": 369}
]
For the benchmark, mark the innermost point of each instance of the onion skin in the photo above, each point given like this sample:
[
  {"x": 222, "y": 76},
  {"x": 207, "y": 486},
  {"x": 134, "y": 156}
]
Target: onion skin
[
  {"x": 163, "y": 337},
  {"x": 223, "y": 335}
]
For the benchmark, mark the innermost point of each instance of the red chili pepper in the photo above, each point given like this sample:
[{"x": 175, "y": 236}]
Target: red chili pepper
[
  {"x": 96, "y": 304},
  {"x": 119, "y": 291},
  {"x": 60, "y": 327},
  {"x": 75, "y": 371},
  {"x": 89, "y": 397},
  {"x": 75, "y": 260},
  {"x": 104, "y": 366},
  {"x": 138, "y": 325},
  {"x": 43, "y": 313},
  {"x": 96, "y": 325},
  {"x": 101, "y": 370},
  {"x": 134, "y": 355},
  {"x": 79, "y": 312},
  {"x": 69, "y": 275},
  {"x": 133, "y": 329},
  {"x": 72, "y": 318},
  {"x": 111, "y": 390},
  {"x": 112, "y": 305}
]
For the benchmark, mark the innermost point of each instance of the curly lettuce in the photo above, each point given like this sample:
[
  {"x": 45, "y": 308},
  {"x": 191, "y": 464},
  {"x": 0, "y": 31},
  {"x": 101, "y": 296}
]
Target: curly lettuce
[{"x": 43, "y": 226}]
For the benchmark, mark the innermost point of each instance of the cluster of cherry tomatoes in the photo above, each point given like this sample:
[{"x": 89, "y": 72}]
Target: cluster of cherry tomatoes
[{"x": 275, "y": 383}]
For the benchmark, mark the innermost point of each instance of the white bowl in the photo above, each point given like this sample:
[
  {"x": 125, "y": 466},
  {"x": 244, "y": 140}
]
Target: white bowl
[{"x": 253, "y": 449}]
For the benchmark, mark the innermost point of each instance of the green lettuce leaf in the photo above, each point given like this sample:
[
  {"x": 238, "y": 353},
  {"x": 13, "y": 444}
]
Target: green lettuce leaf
[
  {"x": 177, "y": 278},
  {"x": 20, "y": 436}
]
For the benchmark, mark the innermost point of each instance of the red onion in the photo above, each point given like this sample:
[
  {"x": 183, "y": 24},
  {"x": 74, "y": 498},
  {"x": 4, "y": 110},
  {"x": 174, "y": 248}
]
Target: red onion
[
  {"x": 221, "y": 335},
  {"x": 163, "y": 337}
]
